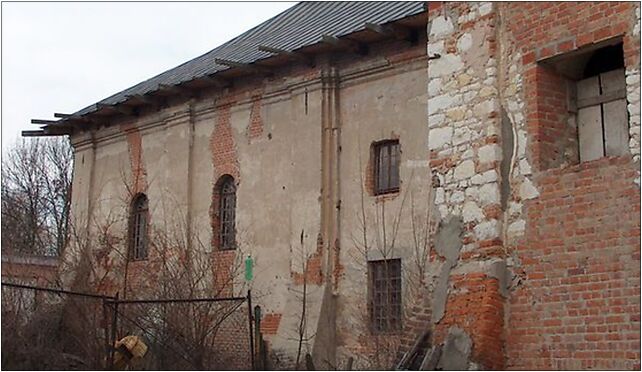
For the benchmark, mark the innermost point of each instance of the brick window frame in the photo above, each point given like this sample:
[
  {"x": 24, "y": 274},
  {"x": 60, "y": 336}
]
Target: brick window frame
[
  {"x": 384, "y": 296},
  {"x": 386, "y": 157},
  {"x": 223, "y": 214},
  {"x": 557, "y": 132},
  {"x": 138, "y": 228}
]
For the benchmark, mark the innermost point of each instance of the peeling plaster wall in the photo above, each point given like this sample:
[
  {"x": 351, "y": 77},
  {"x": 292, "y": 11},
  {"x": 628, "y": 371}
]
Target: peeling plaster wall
[
  {"x": 386, "y": 105},
  {"x": 269, "y": 135}
]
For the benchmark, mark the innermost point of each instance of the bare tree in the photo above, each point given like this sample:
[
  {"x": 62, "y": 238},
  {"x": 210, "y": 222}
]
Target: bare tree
[
  {"x": 378, "y": 236},
  {"x": 36, "y": 193}
]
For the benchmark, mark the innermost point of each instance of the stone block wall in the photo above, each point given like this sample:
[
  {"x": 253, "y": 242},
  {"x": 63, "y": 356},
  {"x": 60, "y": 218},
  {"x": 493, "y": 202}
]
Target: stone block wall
[{"x": 537, "y": 255}]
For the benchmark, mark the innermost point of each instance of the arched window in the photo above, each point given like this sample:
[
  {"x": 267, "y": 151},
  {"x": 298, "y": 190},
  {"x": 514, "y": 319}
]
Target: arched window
[
  {"x": 138, "y": 217},
  {"x": 227, "y": 213}
]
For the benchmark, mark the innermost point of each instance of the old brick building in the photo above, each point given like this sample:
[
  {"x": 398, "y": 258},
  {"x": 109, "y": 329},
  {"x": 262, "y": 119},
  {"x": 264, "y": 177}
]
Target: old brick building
[
  {"x": 485, "y": 187},
  {"x": 534, "y": 117}
]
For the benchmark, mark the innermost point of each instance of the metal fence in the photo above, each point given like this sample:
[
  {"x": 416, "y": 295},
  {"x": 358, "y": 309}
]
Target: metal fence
[
  {"x": 52, "y": 329},
  {"x": 48, "y": 329}
]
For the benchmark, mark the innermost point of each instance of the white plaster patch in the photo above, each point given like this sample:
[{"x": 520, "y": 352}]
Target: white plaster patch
[{"x": 527, "y": 190}]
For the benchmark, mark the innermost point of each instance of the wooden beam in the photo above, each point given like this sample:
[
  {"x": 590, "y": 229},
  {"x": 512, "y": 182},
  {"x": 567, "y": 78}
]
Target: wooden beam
[
  {"x": 115, "y": 108},
  {"x": 350, "y": 45},
  {"x": 250, "y": 67},
  {"x": 63, "y": 116},
  {"x": 143, "y": 100},
  {"x": 217, "y": 81},
  {"x": 33, "y": 133},
  {"x": 47, "y": 131},
  {"x": 45, "y": 122},
  {"x": 176, "y": 90},
  {"x": 294, "y": 55},
  {"x": 389, "y": 31}
]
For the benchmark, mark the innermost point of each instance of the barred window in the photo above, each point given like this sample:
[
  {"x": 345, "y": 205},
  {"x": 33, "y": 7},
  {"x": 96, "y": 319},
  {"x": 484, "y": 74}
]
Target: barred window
[
  {"x": 138, "y": 227},
  {"x": 384, "y": 290},
  {"x": 227, "y": 214},
  {"x": 386, "y": 167}
]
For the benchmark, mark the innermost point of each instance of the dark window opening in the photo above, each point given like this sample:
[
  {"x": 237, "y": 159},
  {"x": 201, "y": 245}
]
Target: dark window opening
[
  {"x": 227, "y": 214},
  {"x": 384, "y": 289},
  {"x": 387, "y": 157},
  {"x": 605, "y": 59},
  {"x": 138, "y": 223}
]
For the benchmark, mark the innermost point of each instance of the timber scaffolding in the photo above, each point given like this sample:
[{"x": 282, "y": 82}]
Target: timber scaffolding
[
  {"x": 113, "y": 313},
  {"x": 298, "y": 35}
]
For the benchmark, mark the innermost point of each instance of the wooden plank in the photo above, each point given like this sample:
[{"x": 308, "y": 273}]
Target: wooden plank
[
  {"x": 613, "y": 81},
  {"x": 431, "y": 359},
  {"x": 602, "y": 98},
  {"x": 588, "y": 88},
  {"x": 589, "y": 123},
  {"x": 294, "y": 55},
  {"x": 45, "y": 122},
  {"x": 616, "y": 128}
]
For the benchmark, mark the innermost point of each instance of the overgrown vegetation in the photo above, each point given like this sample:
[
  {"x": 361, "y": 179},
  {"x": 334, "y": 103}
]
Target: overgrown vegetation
[{"x": 36, "y": 191}]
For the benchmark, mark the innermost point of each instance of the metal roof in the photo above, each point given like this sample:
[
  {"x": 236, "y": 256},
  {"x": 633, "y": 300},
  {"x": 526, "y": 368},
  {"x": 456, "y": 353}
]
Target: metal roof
[{"x": 302, "y": 25}]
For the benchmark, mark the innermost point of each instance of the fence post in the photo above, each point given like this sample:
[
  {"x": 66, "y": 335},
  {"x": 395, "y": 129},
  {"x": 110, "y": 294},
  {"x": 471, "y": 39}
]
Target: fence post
[
  {"x": 106, "y": 331},
  {"x": 249, "y": 314},
  {"x": 114, "y": 322},
  {"x": 258, "y": 338}
]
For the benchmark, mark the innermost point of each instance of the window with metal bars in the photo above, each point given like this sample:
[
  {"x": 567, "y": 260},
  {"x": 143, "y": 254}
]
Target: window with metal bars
[
  {"x": 386, "y": 167},
  {"x": 384, "y": 289},
  {"x": 227, "y": 214},
  {"x": 138, "y": 227}
]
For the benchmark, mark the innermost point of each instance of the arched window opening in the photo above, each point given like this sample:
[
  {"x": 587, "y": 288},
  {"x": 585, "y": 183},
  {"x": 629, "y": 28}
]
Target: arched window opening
[
  {"x": 227, "y": 213},
  {"x": 138, "y": 219}
]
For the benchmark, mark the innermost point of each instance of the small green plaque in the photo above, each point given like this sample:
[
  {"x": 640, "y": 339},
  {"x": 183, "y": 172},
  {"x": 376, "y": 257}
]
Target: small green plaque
[{"x": 249, "y": 263}]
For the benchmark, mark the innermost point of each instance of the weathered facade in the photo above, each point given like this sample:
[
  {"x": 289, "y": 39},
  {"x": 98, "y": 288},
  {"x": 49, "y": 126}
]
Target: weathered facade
[
  {"x": 297, "y": 134},
  {"x": 509, "y": 226}
]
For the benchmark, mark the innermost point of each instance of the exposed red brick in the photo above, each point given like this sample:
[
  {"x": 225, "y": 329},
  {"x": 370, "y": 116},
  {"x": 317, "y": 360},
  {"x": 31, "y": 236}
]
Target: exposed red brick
[{"x": 270, "y": 323}]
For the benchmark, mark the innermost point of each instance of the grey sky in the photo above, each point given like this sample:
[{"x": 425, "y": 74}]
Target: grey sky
[{"x": 61, "y": 57}]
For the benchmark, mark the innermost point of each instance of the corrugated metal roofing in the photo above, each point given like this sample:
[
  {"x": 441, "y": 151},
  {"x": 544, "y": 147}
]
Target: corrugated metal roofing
[{"x": 299, "y": 26}]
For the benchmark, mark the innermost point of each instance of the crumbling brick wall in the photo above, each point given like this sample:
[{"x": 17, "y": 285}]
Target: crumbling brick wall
[
  {"x": 547, "y": 275},
  {"x": 575, "y": 251}
]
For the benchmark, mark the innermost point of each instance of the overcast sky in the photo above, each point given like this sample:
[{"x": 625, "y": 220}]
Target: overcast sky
[{"x": 61, "y": 57}]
